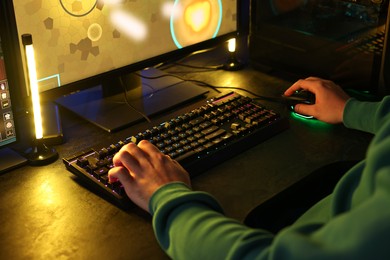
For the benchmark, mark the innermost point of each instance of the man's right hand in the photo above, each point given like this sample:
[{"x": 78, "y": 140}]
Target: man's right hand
[{"x": 330, "y": 99}]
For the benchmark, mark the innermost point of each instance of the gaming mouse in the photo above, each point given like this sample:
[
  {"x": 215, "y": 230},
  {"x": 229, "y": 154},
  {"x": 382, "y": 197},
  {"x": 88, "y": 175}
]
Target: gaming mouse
[{"x": 299, "y": 97}]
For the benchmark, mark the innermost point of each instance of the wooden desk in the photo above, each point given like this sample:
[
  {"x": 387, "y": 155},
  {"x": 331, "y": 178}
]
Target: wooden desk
[{"x": 45, "y": 213}]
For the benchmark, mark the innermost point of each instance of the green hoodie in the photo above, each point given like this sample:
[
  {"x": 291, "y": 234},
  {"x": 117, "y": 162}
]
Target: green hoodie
[{"x": 351, "y": 223}]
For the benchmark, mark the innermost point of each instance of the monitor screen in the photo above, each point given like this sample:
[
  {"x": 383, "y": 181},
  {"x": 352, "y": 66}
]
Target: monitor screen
[
  {"x": 7, "y": 125},
  {"x": 76, "y": 39}
]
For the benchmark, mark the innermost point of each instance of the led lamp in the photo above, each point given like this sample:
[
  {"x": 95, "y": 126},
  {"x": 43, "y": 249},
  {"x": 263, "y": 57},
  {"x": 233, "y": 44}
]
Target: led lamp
[{"x": 39, "y": 154}]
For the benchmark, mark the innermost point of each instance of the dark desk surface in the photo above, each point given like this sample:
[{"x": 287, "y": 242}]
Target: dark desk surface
[{"x": 46, "y": 213}]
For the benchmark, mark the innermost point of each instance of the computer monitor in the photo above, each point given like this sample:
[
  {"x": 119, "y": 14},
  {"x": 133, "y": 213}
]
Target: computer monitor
[
  {"x": 90, "y": 49},
  {"x": 9, "y": 158},
  {"x": 338, "y": 40}
]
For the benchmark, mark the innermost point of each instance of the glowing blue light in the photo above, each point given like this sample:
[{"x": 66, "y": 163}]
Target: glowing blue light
[{"x": 57, "y": 76}]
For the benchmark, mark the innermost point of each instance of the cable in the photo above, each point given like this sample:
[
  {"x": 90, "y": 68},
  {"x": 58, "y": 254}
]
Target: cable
[
  {"x": 207, "y": 68},
  {"x": 199, "y": 83},
  {"x": 128, "y": 102},
  {"x": 215, "y": 88},
  {"x": 257, "y": 96}
]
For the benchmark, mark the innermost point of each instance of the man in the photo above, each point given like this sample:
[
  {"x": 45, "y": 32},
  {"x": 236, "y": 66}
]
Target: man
[{"x": 351, "y": 223}]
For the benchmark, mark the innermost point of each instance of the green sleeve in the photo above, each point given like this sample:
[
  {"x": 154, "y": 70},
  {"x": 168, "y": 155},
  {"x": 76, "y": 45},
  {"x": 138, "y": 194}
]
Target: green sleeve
[
  {"x": 366, "y": 116},
  {"x": 191, "y": 225}
]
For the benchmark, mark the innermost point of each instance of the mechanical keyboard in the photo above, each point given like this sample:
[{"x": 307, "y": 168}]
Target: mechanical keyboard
[{"x": 222, "y": 127}]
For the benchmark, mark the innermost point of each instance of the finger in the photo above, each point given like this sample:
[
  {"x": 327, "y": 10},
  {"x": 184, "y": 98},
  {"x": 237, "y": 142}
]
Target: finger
[
  {"x": 310, "y": 84},
  {"x": 135, "y": 150},
  {"x": 312, "y": 78},
  {"x": 293, "y": 88},
  {"x": 154, "y": 154},
  {"x": 148, "y": 147},
  {"x": 127, "y": 158},
  {"x": 120, "y": 174},
  {"x": 302, "y": 84},
  {"x": 303, "y": 109}
]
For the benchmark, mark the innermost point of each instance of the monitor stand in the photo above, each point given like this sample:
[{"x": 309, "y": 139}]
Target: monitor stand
[
  {"x": 9, "y": 159},
  {"x": 148, "y": 96}
]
